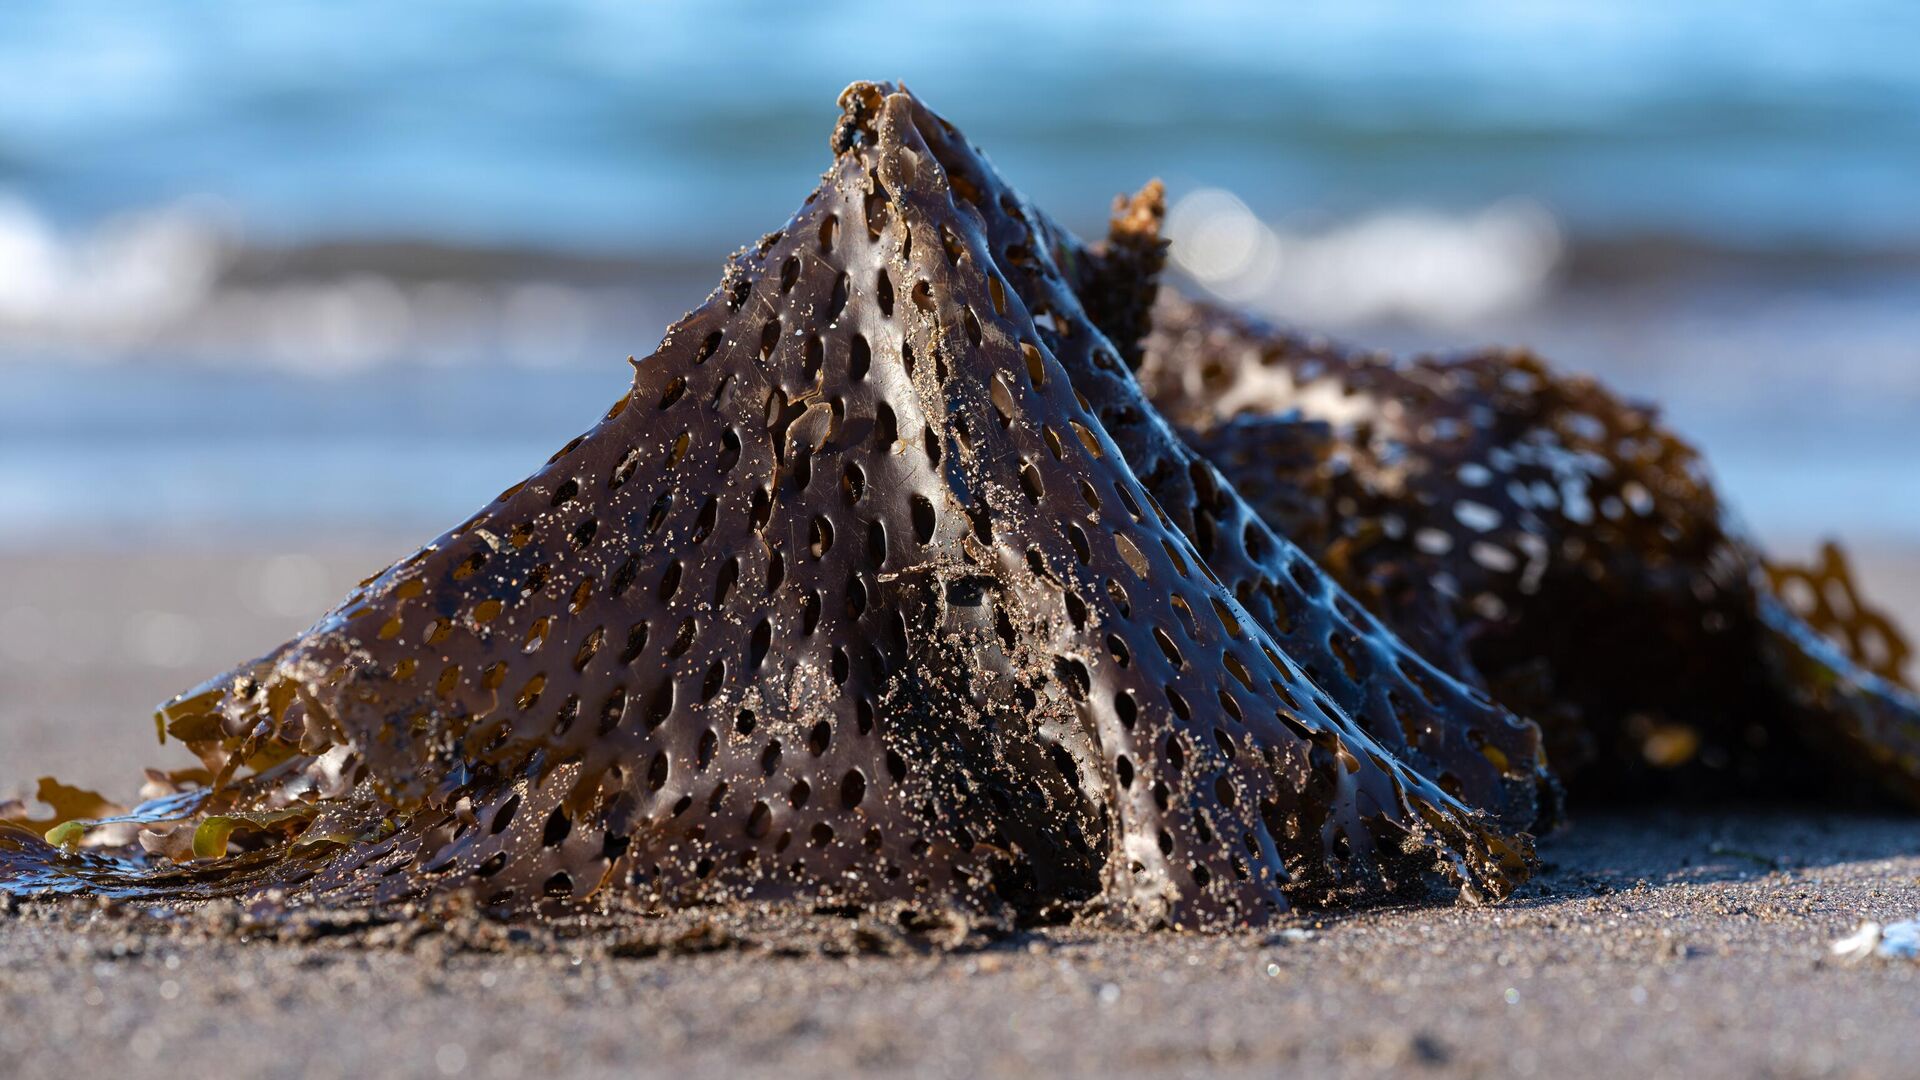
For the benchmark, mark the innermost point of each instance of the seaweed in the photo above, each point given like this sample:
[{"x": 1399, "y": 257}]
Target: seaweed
[
  {"x": 1446, "y": 728},
  {"x": 882, "y": 584},
  {"x": 1534, "y": 532}
]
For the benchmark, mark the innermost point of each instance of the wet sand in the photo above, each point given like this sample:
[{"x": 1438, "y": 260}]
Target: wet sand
[{"x": 1654, "y": 942}]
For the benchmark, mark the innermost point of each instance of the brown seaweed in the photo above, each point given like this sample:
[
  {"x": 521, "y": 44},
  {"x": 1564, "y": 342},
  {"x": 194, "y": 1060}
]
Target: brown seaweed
[
  {"x": 1446, "y": 728},
  {"x": 1536, "y": 531},
  {"x": 882, "y": 584}
]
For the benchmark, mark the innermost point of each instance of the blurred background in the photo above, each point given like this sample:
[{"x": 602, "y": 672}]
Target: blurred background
[{"x": 285, "y": 289}]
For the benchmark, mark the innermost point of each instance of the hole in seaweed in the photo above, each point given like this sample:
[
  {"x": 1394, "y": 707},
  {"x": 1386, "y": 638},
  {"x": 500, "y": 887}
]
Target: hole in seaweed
[
  {"x": 1131, "y": 554},
  {"x": 1076, "y": 609},
  {"x": 761, "y": 510},
  {"x": 853, "y": 482},
  {"x": 470, "y": 566},
  {"x": 636, "y": 643},
  {"x": 1030, "y": 482},
  {"x": 530, "y": 693},
  {"x": 1079, "y": 541},
  {"x": 559, "y": 825},
  {"x": 923, "y": 518},
  {"x": 661, "y": 705},
  {"x": 812, "y": 358},
  {"x": 703, "y": 524},
  {"x": 859, "y": 358},
  {"x": 759, "y": 821},
  {"x": 837, "y": 300},
  {"x": 670, "y": 581},
  {"x": 853, "y": 788},
  {"x": 503, "y": 817},
  {"x": 612, "y": 709},
  {"x": 1073, "y": 675},
  {"x": 1166, "y": 646},
  {"x": 1180, "y": 707},
  {"x": 757, "y": 647},
  {"x": 622, "y": 578}
]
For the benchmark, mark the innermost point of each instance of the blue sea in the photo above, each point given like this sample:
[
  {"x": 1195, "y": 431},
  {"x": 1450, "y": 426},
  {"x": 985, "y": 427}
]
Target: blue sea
[{"x": 304, "y": 267}]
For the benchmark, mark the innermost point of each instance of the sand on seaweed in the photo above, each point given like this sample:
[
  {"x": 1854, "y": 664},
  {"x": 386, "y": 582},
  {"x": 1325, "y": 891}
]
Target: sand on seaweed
[{"x": 1655, "y": 942}]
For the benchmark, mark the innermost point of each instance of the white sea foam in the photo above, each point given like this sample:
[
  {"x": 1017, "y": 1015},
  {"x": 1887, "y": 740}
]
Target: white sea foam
[
  {"x": 114, "y": 282},
  {"x": 1409, "y": 264},
  {"x": 162, "y": 281}
]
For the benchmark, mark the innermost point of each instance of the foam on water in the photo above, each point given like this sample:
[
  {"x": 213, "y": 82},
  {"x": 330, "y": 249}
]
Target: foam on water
[{"x": 301, "y": 220}]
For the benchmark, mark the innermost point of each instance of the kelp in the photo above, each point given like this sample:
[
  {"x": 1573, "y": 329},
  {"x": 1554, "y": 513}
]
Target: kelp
[
  {"x": 941, "y": 559},
  {"x": 882, "y": 584},
  {"x": 1823, "y": 595},
  {"x": 1534, "y": 532}
]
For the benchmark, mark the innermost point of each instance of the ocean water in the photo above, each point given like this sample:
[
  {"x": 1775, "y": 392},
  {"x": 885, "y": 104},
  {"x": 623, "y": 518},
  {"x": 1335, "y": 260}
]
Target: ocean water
[{"x": 301, "y": 266}]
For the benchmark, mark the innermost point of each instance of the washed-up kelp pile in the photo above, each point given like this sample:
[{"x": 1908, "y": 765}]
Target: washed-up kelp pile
[
  {"x": 887, "y": 583},
  {"x": 1536, "y": 534}
]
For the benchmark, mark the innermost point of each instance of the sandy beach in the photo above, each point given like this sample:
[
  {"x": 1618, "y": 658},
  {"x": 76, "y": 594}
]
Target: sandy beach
[
  {"x": 1654, "y": 945},
  {"x": 1655, "y": 942}
]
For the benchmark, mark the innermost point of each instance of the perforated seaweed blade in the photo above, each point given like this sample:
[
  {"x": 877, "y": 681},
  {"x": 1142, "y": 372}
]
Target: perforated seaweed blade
[
  {"x": 1444, "y": 726},
  {"x": 849, "y": 600},
  {"x": 1536, "y": 527}
]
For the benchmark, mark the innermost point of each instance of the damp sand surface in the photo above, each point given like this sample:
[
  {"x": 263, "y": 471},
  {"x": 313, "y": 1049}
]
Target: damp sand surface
[{"x": 1654, "y": 942}]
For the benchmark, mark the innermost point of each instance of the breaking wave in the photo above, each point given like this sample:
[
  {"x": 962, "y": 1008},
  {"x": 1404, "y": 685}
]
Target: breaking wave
[
  {"x": 179, "y": 282},
  {"x": 1417, "y": 265}
]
